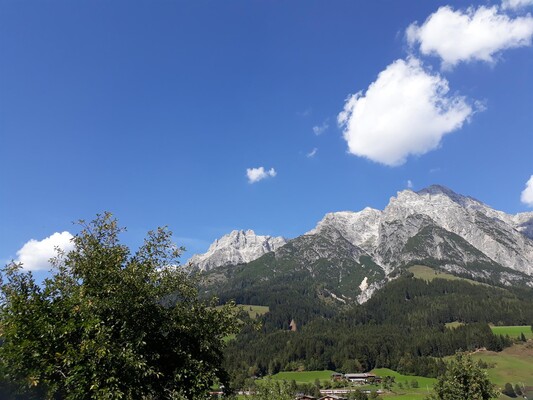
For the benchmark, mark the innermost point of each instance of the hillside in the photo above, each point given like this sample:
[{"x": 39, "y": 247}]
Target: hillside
[{"x": 402, "y": 327}]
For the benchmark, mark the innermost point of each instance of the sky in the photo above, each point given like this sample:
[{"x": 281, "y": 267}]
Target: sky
[{"x": 209, "y": 116}]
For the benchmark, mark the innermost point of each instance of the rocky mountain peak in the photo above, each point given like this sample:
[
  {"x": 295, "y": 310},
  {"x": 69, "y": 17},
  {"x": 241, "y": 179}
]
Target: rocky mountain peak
[
  {"x": 502, "y": 238},
  {"x": 359, "y": 228},
  {"x": 237, "y": 247}
]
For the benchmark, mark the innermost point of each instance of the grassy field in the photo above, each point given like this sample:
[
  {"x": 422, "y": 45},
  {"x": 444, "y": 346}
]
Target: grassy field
[
  {"x": 513, "y": 331},
  {"x": 304, "y": 376},
  {"x": 513, "y": 365},
  {"x": 253, "y": 310},
  {"x": 425, "y": 385},
  {"x": 428, "y": 274},
  {"x": 406, "y": 393}
]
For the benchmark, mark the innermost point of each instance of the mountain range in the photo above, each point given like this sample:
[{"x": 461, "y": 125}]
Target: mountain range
[{"x": 348, "y": 255}]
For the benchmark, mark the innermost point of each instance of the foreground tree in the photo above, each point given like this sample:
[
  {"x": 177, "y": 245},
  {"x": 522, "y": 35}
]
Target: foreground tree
[
  {"x": 464, "y": 379},
  {"x": 110, "y": 324}
]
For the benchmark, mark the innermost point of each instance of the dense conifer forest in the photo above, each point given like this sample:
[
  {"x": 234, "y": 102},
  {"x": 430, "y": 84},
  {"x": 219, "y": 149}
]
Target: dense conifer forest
[{"x": 402, "y": 327}]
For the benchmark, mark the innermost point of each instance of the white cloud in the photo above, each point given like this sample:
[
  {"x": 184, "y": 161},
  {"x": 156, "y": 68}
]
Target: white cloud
[
  {"x": 257, "y": 174},
  {"x": 527, "y": 193},
  {"x": 312, "y": 153},
  {"x": 407, "y": 110},
  {"x": 35, "y": 254},
  {"x": 320, "y": 129},
  {"x": 516, "y": 4},
  {"x": 409, "y": 184},
  {"x": 474, "y": 34}
]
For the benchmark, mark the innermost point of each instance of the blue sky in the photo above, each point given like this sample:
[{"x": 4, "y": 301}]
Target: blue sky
[{"x": 155, "y": 110}]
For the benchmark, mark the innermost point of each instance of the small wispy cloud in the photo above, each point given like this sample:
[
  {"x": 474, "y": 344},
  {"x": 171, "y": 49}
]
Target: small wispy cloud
[
  {"x": 527, "y": 193},
  {"x": 35, "y": 254},
  {"x": 312, "y": 153},
  {"x": 258, "y": 174},
  {"x": 409, "y": 184},
  {"x": 320, "y": 129}
]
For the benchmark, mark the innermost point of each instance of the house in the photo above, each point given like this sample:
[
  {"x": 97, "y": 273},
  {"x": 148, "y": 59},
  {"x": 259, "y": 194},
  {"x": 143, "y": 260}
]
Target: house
[
  {"x": 337, "y": 377},
  {"x": 332, "y": 397},
  {"x": 361, "y": 379}
]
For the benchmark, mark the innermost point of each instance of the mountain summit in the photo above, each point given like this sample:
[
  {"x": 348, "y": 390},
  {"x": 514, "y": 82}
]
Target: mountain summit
[
  {"x": 348, "y": 255},
  {"x": 236, "y": 247},
  {"x": 438, "y": 224}
]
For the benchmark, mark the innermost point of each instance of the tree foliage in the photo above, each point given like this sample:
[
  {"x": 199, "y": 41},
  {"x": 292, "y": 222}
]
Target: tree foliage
[
  {"x": 110, "y": 324},
  {"x": 270, "y": 389},
  {"x": 464, "y": 379}
]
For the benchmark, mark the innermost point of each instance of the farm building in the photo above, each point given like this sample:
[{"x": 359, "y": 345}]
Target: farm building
[
  {"x": 337, "y": 376},
  {"x": 362, "y": 378}
]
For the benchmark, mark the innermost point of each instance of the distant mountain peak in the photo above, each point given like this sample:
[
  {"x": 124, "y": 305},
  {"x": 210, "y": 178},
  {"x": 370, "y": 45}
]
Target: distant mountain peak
[{"x": 237, "y": 247}]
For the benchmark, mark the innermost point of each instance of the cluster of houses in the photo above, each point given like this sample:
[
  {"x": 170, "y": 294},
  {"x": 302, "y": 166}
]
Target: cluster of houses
[
  {"x": 326, "y": 397},
  {"x": 336, "y": 394},
  {"x": 331, "y": 395}
]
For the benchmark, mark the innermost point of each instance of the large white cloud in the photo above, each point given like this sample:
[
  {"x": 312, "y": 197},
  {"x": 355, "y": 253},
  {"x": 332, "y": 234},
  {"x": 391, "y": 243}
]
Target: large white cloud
[
  {"x": 516, "y": 4},
  {"x": 407, "y": 110},
  {"x": 257, "y": 174},
  {"x": 474, "y": 34},
  {"x": 35, "y": 254},
  {"x": 527, "y": 193}
]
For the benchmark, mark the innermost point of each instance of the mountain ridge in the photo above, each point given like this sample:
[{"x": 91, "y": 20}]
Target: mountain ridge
[{"x": 349, "y": 254}]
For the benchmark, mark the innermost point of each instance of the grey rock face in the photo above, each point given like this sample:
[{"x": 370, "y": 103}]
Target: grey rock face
[
  {"x": 235, "y": 248},
  {"x": 469, "y": 231}
]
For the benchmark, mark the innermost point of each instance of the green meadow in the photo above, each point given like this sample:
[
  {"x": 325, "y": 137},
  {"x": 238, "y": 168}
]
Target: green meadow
[
  {"x": 304, "y": 376},
  {"x": 513, "y": 365},
  {"x": 253, "y": 310},
  {"x": 428, "y": 274},
  {"x": 406, "y": 392},
  {"x": 513, "y": 331}
]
